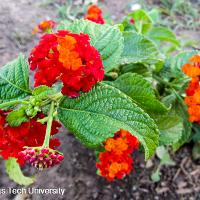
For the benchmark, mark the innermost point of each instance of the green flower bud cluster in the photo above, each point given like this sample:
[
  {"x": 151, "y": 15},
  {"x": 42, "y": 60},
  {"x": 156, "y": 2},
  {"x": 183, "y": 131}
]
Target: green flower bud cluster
[{"x": 33, "y": 107}]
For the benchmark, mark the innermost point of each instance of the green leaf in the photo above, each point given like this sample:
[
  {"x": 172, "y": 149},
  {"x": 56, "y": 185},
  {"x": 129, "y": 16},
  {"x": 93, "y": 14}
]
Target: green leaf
[
  {"x": 165, "y": 159},
  {"x": 170, "y": 126},
  {"x": 98, "y": 114},
  {"x": 105, "y": 38},
  {"x": 196, "y": 133},
  {"x": 14, "y": 172},
  {"x": 139, "y": 49},
  {"x": 154, "y": 15},
  {"x": 171, "y": 135},
  {"x": 143, "y": 21},
  {"x": 167, "y": 121},
  {"x": 137, "y": 68},
  {"x": 14, "y": 80},
  {"x": 43, "y": 91},
  {"x": 141, "y": 91},
  {"x": 17, "y": 117},
  {"x": 181, "y": 110},
  {"x": 163, "y": 34},
  {"x": 164, "y": 156}
]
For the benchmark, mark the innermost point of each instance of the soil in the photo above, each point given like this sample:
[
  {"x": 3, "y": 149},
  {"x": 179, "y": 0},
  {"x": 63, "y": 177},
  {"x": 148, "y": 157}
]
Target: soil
[{"x": 77, "y": 173}]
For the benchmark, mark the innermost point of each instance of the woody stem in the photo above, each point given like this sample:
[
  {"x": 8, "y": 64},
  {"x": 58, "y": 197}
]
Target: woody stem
[{"x": 49, "y": 125}]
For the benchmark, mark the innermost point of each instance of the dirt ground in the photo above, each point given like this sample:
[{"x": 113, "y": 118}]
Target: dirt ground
[{"x": 77, "y": 174}]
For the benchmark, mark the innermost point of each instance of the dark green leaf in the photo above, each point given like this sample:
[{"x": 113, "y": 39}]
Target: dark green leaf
[
  {"x": 138, "y": 68},
  {"x": 141, "y": 91},
  {"x": 163, "y": 34},
  {"x": 181, "y": 110},
  {"x": 139, "y": 49},
  {"x": 14, "y": 80},
  {"x": 98, "y": 114}
]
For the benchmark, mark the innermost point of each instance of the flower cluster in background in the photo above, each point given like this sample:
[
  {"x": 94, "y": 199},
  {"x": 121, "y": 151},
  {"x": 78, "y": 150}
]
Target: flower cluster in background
[
  {"x": 117, "y": 160},
  {"x": 45, "y": 26},
  {"x": 192, "y": 99},
  {"x": 94, "y": 13},
  {"x": 67, "y": 57},
  {"x": 32, "y": 133}
]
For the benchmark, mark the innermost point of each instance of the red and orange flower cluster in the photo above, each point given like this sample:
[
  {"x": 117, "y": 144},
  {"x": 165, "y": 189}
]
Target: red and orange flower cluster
[
  {"x": 67, "y": 57},
  {"x": 94, "y": 13},
  {"x": 44, "y": 27},
  {"x": 32, "y": 134},
  {"x": 117, "y": 161},
  {"x": 192, "y": 99}
]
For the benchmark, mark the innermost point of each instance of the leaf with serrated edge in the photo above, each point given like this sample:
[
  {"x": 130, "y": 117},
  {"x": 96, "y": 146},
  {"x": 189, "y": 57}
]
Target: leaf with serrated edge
[
  {"x": 98, "y": 114},
  {"x": 14, "y": 172},
  {"x": 138, "y": 49},
  {"x": 43, "y": 91},
  {"x": 14, "y": 80},
  {"x": 141, "y": 91},
  {"x": 105, "y": 38},
  {"x": 171, "y": 135},
  {"x": 17, "y": 117},
  {"x": 163, "y": 34}
]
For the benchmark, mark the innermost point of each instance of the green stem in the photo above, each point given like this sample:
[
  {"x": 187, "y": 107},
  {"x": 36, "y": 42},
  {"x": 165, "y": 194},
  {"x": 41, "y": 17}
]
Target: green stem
[
  {"x": 56, "y": 96},
  {"x": 162, "y": 81},
  {"x": 49, "y": 124},
  {"x": 12, "y": 103}
]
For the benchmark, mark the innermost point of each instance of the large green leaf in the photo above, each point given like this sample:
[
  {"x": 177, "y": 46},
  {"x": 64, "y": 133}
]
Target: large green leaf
[
  {"x": 172, "y": 135},
  {"x": 106, "y": 38},
  {"x": 141, "y": 91},
  {"x": 14, "y": 172},
  {"x": 137, "y": 68},
  {"x": 181, "y": 110},
  {"x": 14, "y": 80},
  {"x": 170, "y": 126},
  {"x": 98, "y": 114},
  {"x": 138, "y": 49},
  {"x": 163, "y": 34}
]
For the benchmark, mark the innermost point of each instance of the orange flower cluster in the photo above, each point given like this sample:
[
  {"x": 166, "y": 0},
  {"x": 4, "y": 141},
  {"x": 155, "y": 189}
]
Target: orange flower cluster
[
  {"x": 192, "y": 69},
  {"x": 94, "y": 13},
  {"x": 192, "y": 98},
  {"x": 116, "y": 161},
  {"x": 44, "y": 26}
]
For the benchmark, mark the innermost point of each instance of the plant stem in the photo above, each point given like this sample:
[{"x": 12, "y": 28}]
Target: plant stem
[
  {"x": 56, "y": 96},
  {"x": 12, "y": 103},
  {"x": 49, "y": 124},
  {"x": 162, "y": 81}
]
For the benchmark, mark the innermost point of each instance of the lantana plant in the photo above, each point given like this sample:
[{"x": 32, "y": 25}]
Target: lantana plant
[{"x": 113, "y": 86}]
